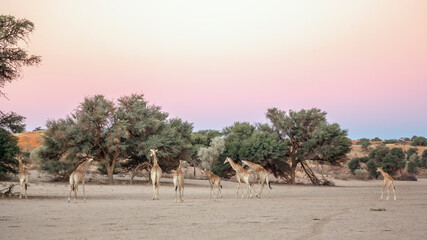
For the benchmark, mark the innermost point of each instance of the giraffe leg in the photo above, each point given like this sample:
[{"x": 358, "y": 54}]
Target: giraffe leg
[
  {"x": 83, "y": 188},
  {"x": 25, "y": 189},
  {"x": 182, "y": 192},
  {"x": 20, "y": 193},
  {"x": 210, "y": 194},
  {"x": 394, "y": 191},
  {"x": 71, "y": 189},
  {"x": 388, "y": 191},
  {"x": 219, "y": 189},
  {"x": 75, "y": 193},
  {"x": 238, "y": 187},
  {"x": 382, "y": 193},
  {"x": 262, "y": 187}
]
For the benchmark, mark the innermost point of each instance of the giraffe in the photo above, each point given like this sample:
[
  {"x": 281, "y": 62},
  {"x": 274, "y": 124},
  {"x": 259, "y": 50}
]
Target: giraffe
[
  {"x": 155, "y": 173},
  {"x": 79, "y": 176},
  {"x": 389, "y": 182},
  {"x": 242, "y": 174},
  {"x": 262, "y": 174},
  {"x": 23, "y": 178},
  {"x": 214, "y": 180},
  {"x": 178, "y": 182}
]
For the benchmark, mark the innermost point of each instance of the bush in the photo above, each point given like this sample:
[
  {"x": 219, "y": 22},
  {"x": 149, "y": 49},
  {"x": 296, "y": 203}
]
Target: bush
[
  {"x": 410, "y": 152},
  {"x": 361, "y": 174},
  {"x": 390, "y": 141},
  {"x": 412, "y": 167},
  {"x": 419, "y": 141},
  {"x": 372, "y": 168},
  {"x": 364, "y": 143},
  {"x": 353, "y": 164}
]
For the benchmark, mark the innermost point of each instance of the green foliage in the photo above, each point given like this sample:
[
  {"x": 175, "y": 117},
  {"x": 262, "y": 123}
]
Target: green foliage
[
  {"x": 412, "y": 167},
  {"x": 390, "y": 160},
  {"x": 419, "y": 141},
  {"x": 12, "y": 122},
  {"x": 390, "y": 141},
  {"x": 264, "y": 148},
  {"x": 308, "y": 137},
  {"x": 410, "y": 152},
  {"x": 372, "y": 168},
  {"x": 376, "y": 139},
  {"x": 353, "y": 164},
  {"x": 109, "y": 131},
  {"x": 424, "y": 154},
  {"x": 364, "y": 143},
  {"x": 12, "y": 57},
  {"x": 8, "y": 151}
]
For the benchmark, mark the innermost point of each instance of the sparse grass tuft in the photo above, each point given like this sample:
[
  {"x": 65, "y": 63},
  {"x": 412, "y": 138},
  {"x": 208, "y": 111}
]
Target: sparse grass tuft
[{"x": 378, "y": 209}]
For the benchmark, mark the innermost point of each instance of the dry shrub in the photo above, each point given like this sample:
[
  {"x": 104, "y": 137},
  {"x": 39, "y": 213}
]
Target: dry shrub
[{"x": 361, "y": 174}]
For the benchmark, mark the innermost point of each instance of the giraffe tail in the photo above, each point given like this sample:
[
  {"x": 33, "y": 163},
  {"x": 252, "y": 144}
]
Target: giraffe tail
[
  {"x": 26, "y": 186},
  {"x": 269, "y": 185}
]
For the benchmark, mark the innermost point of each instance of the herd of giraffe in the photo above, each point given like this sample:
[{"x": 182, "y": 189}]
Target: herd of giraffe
[{"x": 249, "y": 176}]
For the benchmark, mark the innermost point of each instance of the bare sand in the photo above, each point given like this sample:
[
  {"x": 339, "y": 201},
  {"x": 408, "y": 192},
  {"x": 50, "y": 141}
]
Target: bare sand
[{"x": 293, "y": 212}]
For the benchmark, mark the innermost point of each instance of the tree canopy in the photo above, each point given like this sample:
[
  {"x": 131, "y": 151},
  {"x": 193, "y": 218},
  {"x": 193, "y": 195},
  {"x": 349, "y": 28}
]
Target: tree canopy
[
  {"x": 12, "y": 57},
  {"x": 8, "y": 150},
  {"x": 308, "y": 137},
  {"x": 112, "y": 131}
]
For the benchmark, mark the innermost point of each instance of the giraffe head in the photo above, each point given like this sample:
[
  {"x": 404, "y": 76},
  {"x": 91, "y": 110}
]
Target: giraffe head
[
  {"x": 153, "y": 152},
  {"x": 244, "y": 163},
  {"x": 379, "y": 169},
  {"x": 89, "y": 158},
  {"x": 227, "y": 160}
]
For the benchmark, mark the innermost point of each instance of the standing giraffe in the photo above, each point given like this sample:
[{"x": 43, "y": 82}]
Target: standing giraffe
[
  {"x": 178, "y": 182},
  {"x": 262, "y": 175},
  {"x": 214, "y": 180},
  {"x": 23, "y": 178},
  {"x": 243, "y": 174},
  {"x": 156, "y": 173},
  {"x": 79, "y": 176},
  {"x": 389, "y": 182}
]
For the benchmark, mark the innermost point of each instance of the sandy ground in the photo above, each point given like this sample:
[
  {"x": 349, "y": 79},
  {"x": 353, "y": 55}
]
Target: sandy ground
[{"x": 293, "y": 212}]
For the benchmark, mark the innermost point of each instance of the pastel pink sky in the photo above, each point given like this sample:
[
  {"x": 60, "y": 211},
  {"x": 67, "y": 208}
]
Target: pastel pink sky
[{"x": 214, "y": 63}]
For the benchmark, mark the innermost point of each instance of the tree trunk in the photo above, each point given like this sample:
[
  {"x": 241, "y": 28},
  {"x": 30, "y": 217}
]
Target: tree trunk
[
  {"x": 310, "y": 173},
  {"x": 132, "y": 175},
  {"x": 110, "y": 169},
  {"x": 293, "y": 170}
]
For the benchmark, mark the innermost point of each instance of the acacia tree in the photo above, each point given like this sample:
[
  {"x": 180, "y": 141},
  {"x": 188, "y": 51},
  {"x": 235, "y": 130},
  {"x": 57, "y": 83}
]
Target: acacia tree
[
  {"x": 8, "y": 150},
  {"x": 93, "y": 129},
  {"x": 12, "y": 122},
  {"x": 12, "y": 57},
  {"x": 112, "y": 131},
  {"x": 308, "y": 137}
]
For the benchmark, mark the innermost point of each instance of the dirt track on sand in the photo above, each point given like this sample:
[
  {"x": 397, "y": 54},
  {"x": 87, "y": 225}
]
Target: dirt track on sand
[{"x": 292, "y": 212}]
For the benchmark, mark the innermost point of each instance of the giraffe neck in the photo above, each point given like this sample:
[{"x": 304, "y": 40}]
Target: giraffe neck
[
  {"x": 385, "y": 175},
  {"x": 83, "y": 165},
  {"x": 155, "y": 161},
  {"x": 234, "y": 165},
  {"x": 21, "y": 165}
]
